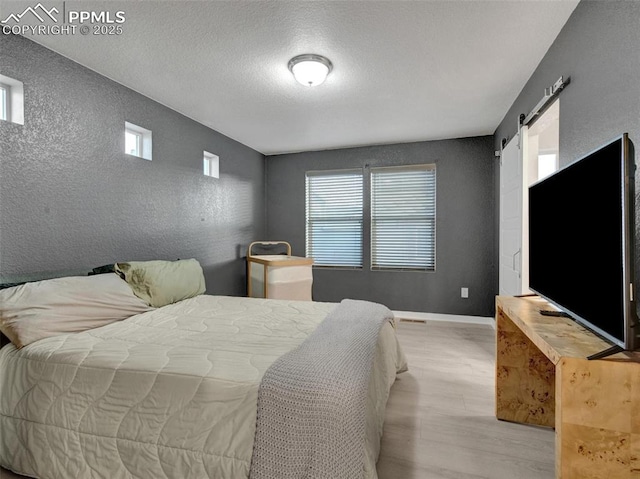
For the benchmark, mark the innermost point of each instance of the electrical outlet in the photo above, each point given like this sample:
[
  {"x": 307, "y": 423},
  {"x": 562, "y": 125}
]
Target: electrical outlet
[{"x": 464, "y": 292}]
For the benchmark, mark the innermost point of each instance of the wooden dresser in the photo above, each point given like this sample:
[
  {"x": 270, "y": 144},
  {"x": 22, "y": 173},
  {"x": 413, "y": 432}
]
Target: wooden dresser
[{"x": 543, "y": 378}]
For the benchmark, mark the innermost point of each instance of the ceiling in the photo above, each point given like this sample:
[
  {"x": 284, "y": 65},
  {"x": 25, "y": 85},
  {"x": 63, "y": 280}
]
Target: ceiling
[{"x": 404, "y": 71}]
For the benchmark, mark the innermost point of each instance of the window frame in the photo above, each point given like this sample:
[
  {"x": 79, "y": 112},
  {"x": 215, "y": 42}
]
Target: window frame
[
  {"x": 210, "y": 163},
  {"x": 430, "y": 217},
  {"x": 137, "y": 151},
  {"x": 144, "y": 140},
  {"x": 13, "y": 100},
  {"x": 5, "y": 98},
  {"x": 309, "y": 221}
]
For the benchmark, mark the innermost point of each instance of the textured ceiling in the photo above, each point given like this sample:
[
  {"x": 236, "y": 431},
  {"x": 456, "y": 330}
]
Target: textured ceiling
[{"x": 403, "y": 70}]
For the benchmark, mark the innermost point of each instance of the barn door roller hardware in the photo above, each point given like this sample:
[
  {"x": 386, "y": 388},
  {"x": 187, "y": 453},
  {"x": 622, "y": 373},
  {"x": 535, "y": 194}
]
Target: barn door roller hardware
[{"x": 549, "y": 95}]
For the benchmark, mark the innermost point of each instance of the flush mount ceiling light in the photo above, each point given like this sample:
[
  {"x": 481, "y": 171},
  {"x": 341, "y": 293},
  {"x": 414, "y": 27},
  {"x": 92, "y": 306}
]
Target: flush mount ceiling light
[{"x": 310, "y": 69}]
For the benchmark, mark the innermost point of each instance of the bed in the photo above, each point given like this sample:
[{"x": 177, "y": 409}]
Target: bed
[{"x": 171, "y": 392}]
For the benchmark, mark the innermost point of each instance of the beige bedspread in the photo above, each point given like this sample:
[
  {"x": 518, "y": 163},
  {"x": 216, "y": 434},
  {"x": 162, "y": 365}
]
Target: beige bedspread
[{"x": 168, "y": 393}]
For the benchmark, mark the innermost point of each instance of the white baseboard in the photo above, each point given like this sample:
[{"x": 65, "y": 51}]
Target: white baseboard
[{"x": 453, "y": 318}]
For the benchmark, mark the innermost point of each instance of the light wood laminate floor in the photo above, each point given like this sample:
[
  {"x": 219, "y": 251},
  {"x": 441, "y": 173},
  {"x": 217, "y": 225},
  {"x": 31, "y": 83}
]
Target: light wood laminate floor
[{"x": 440, "y": 421}]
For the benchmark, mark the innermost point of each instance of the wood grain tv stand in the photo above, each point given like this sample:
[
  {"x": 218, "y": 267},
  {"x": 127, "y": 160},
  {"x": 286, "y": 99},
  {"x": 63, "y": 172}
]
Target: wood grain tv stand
[{"x": 543, "y": 378}]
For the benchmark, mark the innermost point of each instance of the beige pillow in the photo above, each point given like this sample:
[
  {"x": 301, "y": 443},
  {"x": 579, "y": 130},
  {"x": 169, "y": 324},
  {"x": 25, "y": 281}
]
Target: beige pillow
[
  {"x": 33, "y": 311},
  {"x": 163, "y": 282}
]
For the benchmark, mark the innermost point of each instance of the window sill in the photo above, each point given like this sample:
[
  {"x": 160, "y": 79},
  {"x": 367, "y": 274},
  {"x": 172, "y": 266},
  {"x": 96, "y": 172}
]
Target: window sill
[
  {"x": 344, "y": 268},
  {"x": 404, "y": 270}
]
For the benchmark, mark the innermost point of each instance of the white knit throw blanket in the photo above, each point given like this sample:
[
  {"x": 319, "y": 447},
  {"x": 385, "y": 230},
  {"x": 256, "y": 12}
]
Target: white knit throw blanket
[{"x": 312, "y": 400}]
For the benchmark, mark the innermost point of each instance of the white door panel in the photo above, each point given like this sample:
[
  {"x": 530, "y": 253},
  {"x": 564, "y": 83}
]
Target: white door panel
[
  {"x": 511, "y": 214},
  {"x": 518, "y": 169}
]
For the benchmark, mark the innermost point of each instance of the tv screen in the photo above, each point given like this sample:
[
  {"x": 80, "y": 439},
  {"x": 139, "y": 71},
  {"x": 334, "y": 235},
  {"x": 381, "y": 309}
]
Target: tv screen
[{"x": 580, "y": 241}]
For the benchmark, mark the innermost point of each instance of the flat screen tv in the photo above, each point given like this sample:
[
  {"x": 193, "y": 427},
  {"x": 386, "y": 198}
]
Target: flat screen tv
[{"x": 581, "y": 241}]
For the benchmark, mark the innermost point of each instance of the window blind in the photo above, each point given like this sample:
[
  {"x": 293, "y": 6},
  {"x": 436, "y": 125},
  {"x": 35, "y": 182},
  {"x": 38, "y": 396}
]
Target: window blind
[
  {"x": 334, "y": 218},
  {"x": 403, "y": 217}
]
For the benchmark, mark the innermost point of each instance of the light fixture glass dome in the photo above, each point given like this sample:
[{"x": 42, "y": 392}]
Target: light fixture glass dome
[{"x": 309, "y": 69}]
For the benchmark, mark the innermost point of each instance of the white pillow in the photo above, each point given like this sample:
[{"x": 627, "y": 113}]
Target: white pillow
[{"x": 52, "y": 307}]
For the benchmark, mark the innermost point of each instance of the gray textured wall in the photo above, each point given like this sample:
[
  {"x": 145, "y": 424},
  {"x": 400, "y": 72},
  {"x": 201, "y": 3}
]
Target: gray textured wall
[
  {"x": 465, "y": 219},
  {"x": 70, "y": 199},
  {"x": 599, "y": 48}
]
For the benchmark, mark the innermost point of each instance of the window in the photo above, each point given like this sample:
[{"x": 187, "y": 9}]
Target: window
[
  {"x": 137, "y": 141},
  {"x": 334, "y": 218},
  {"x": 11, "y": 100},
  {"x": 403, "y": 217},
  {"x": 211, "y": 165},
  {"x": 4, "y": 101},
  {"x": 547, "y": 164},
  {"x": 133, "y": 143}
]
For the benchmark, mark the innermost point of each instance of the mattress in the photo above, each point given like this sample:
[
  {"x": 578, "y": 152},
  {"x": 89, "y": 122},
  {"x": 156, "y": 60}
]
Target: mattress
[{"x": 170, "y": 393}]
